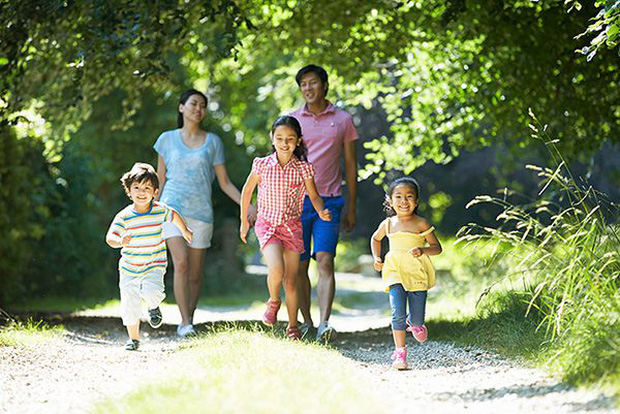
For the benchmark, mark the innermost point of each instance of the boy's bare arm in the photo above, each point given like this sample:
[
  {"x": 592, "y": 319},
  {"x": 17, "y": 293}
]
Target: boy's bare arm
[
  {"x": 116, "y": 242},
  {"x": 178, "y": 221}
]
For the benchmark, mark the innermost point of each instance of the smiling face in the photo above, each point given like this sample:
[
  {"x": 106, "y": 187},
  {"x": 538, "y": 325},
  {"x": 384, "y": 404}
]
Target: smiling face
[
  {"x": 193, "y": 109},
  {"x": 285, "y": 140},
  {"x": 142, "y": 193},
  {"x": 404, "y": 200},
  {"x": 312, "y": 88}
]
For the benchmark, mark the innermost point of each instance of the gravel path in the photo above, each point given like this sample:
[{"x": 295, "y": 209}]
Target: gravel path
[
  {"x": 443, "y": 378},
  {"x": 89, "y": 364}
]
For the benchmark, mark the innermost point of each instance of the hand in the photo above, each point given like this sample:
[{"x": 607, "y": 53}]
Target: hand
[
  {"x": 252, "y": 215},
  {"x": 378, "y": 264},
  {"x": 416, "y": 251},
  {"x": 243, "y": 230},
  {"x": 188, "y": 235},
  {"x": 349, "y": 219},
  {"x": 126, "y": 239},
  {"x": 325, "y": 215}
]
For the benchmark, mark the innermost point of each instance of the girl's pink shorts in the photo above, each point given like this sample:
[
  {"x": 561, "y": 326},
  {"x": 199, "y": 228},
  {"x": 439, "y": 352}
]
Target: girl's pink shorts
[{"x": 289, "y": 235}]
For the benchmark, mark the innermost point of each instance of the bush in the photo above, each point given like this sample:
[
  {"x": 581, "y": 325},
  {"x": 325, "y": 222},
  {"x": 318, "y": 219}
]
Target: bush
[{"x": 566, "y": 250}]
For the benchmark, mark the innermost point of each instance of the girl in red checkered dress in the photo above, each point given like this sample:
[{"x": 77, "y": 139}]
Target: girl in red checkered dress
[{"x": 283, "y": 178}]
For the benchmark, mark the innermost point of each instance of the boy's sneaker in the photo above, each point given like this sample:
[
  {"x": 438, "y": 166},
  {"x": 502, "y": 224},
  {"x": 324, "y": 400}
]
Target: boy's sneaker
[
  {"x": 132, "y": 345},
  {"x": 420, "y": 333},
  {"x": 185, "y": 330},
  {"x": 155, "y": 319},
  {"x": 293, "y": 333},
  {"x": 399, "y": 358},
  {"x": 325, "y": 332},
  {"x": 270, "y": 317}
]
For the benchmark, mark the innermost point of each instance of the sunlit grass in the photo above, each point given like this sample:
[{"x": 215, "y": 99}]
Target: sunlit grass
[
  {"x": 29, "y": 334},
  {"x": 237, "y": 371},
  {"x": 238, "y": 299}
]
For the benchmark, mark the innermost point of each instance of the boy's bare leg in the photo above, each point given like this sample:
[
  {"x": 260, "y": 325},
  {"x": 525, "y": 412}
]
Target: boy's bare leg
[
  {"x": 326, "y": 286},
  {"x": 304, "y": 291},
  {"x": 134, "y": 331}
]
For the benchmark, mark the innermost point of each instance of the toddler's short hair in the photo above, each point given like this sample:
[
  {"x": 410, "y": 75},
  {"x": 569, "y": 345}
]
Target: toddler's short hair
[{"x": 140, "y": 172}]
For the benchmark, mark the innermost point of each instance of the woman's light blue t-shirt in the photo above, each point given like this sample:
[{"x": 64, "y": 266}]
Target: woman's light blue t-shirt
[{"x": 189, "y": 173}]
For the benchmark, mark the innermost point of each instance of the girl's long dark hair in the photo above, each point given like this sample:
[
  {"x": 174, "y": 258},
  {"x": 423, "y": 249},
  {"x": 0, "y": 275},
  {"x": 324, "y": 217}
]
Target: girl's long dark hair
[
  {"x": 184, "y": 97},
  {"x": 301, "y": 152},
  {"x": 408, "y": 181}
]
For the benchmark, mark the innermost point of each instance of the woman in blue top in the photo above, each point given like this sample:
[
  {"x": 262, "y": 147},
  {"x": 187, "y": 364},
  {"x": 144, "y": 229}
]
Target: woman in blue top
[{"x": 189, "y": 159}]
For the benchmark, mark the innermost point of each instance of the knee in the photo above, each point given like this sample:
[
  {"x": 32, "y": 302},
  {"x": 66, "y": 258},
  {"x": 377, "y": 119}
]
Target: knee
[
  {"x": 195, "y": 274},
  {"x": 181, "y": 266},
  {"x": 325, "y": 265},
  {"x": 290, "y": 282},
  {"x": 276, "y": 271}
]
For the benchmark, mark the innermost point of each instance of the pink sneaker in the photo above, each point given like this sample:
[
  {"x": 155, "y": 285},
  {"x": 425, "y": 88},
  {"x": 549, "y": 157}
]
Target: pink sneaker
[
  {"x": 399, "y": 356},
  {"x": 420, "y": 333},
  {"x": 270, "y": 317}
]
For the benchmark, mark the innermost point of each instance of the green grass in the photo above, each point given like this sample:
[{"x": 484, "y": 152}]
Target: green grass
[
  {"x": 498, "y": 324},
  {"x": 564, "y": 248},
  {"x": 243, "y": 298},
  {"x": 29, "y": 334},
  {"x": 237, "y": 371}
]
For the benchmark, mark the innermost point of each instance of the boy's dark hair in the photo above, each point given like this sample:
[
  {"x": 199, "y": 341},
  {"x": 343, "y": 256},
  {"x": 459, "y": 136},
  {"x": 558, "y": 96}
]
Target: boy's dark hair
[
  {"x": 301, "y": 152},
  {"x": 320, "y": 72},
  {"x": 140, "y": 172},
  {"x": 184, "y": 97},
  {"x": 409, "y": 182}
]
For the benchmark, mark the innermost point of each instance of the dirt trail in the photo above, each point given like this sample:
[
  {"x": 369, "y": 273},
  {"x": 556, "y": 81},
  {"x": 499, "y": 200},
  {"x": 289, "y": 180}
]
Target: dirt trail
[{"x": 90, "y": 364}]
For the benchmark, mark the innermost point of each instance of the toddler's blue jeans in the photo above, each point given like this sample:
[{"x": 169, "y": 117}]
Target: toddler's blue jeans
[{"x": 399, "y": 298}]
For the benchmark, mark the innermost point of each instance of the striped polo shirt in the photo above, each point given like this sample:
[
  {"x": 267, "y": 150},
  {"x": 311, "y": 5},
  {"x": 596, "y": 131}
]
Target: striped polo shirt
[{"x": 146, "y": 252}]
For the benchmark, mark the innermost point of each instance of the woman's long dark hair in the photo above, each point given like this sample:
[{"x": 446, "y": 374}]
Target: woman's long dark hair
[
  {"x": 184, "y": 97},
  {"x": 301, "y": 152},
  {"x": 409, "y": 182}
]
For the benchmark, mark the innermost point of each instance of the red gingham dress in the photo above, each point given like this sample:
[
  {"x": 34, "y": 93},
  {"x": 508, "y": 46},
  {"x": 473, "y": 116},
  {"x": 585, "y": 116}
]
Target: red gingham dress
[{"x": 280, "y": 200}]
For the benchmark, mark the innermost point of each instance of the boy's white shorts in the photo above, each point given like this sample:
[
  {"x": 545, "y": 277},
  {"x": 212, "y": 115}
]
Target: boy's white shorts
[
  {"x": 149, "y": 287},
  {"x": 202, "y": 232}
]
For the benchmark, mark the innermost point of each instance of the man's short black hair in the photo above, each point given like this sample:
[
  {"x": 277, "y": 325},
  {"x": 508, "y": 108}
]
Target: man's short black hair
[{"x": 320, "y": 72}]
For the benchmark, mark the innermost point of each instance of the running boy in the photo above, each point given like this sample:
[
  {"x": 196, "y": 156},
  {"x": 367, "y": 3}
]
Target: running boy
[{"x": 137, "y": 230}]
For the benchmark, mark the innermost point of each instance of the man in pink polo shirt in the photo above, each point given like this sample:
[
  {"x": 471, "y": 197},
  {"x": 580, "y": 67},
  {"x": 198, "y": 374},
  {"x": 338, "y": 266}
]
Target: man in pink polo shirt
[{"x": 329, "y": 133}]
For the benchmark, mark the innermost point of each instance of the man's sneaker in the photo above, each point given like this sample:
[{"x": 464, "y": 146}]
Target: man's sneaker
[
  {"x": 420, "y": 333},
  {"x": 325, "y": 332},
  {"x": 293, "y": 333},
  {"x": 270, "y": 317},
  {"x": 399, "y": 358},
  {"x": 307, "y": 330},
  {"x": 132, "y": 345},
  {"x": 155, "y": 319},
  {"x": 185, "y": 330}
]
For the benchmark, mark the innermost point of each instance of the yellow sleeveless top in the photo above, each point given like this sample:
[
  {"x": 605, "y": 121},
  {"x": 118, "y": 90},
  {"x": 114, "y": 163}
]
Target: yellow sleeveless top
[{"x": 414, "y": 273}]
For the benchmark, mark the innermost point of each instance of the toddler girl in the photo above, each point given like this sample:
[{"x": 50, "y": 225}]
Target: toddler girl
[
  {"x": 283, "y": 178},
  {"x": 407, "y": 273}
]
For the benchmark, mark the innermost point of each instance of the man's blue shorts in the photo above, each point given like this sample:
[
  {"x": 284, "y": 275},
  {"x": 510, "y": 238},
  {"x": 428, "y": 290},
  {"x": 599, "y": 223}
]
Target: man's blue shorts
[{"x": 324, "y": 234}]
